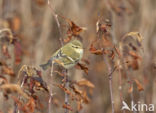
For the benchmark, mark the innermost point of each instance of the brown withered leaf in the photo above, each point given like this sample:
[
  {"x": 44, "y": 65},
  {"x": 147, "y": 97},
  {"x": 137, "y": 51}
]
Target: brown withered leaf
[
  {"x": 139, "y": 85},
  {"x": 106, "y": 42},
  {"x": 76, "y": 90},
  {"x": 16, "y": 23},
  {"x": 102, "y": 27},
  {"x": 7, "y": 70},
  {"x": 79, "y": 105},
  {"x": 59, "y": 73},
  {"x": 30, "y": 105},
  {"x": 85, "y": 97},
  {"x": 95, "y": 51},
  {"x": 74, "y": 30},
  {"x": 5, "y": 51},
  {"x": 13, "y": 88},
  {"x": 40, "y": 2},
  {"x": 135, "y": 64},
  {"x": 132, "y": 63},
  {"x": 82, "y": 67},
  {"x": 3, "y": 80},
  {"x": 130, "y": 90},
  {"x": 85, "y": 82},
  {"x": 67, "y": 39},
  {"x": 86, "y": 61},
  {"x": 17, "y": 52},
  {"x": 65, "y": 89},
  {"x": 67, "y": 107},
  {"x": 136, "y": 35},
  {"x": 134, "y": 55}
]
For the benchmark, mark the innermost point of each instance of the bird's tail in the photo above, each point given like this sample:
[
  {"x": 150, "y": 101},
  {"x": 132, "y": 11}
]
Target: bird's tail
[{"x": 46, "y": 65}]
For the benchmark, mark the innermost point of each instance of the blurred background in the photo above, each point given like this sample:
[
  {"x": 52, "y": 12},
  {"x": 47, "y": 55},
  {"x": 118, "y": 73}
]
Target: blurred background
[{"x": 33, "y": 23}]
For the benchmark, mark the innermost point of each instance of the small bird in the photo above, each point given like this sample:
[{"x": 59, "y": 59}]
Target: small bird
[{"x": 67, "y": 56}]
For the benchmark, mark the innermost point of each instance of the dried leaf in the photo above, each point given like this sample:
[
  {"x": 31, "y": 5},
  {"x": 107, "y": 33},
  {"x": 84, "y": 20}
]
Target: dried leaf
[
  {"x": 30, "y": 105},
  {"x": 77, "y": 91},
  {"x": 85, "y": 97},
  {"x": 65, "y": 90},
  {"x": 139, "y": 85},
  {"x": 95, "y": 51},
  {"x": 3, "y": 80},
  {"x": 85, "y": 82},
  {"x": 130, "y": 90},
  {"x": 16, "y": 23},
  {"x": 7, "y": 35},
  {"x": 136, "y": 35},
  {"x": 134, "y": 55},
  {"x": 17, "y": 52},
  {"x": 59, "y": 73},
  {"x": 13, "y": 88},
  {"x": 67, "y": 39},
  {"x": 79, "y": 105},
  {"x": 86, "y": 61},
  {"x": 40, "y": 2},
  {"x": 8, "y": 71},
  {"x": 82, "y": 67},
  {"x": 102, "y": 27},
  {"x": 67, "y": 107},
  {"x": 74, "y": 30},
  {"x": 5, "y": 51}
]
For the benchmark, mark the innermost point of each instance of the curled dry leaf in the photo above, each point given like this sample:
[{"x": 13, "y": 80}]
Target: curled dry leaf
[
  {"x": 85, "y": 82},
  {"x": 134, "y": 55},
  {"x": 65, "y": 89},
  {"x": 16, "y": 23},
  {"x": 17, "y": 52},
  {"x": 59, "y": 73},
  {"x": 102, "y": 27},
  {"x": 13, "y": 88},
  {"x": 67, "y": 107},
  {"x": 74, "y": 30},
  {"x": 139, "y": 85},
  {"x": 3, "y": 80},
  {"x": 67, "y": 39},
  {"x": 95, "y": 51},
  {"x": 30, "y": 105},
  {"x": 5, "y": 51},
  {"x": 82, "y": 67},
  {"x": 7, "y": 35},
  {"x": 136, "y": 35},
  {"x": 86, "y": 61},
  {"x": 130, "y": 90},
  {"x": 7, "y": 70},
  {"x": 79, "y": 105}
]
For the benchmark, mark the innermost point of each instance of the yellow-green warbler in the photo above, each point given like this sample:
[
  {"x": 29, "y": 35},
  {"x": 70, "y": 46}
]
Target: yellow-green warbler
[{"x": 68, "y": 56}]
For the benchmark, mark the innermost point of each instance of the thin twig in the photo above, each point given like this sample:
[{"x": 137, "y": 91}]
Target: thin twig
[
  {"x": 57, "y": 21},
  {"x": 120, "y": 87},
  {"x": 110, "y": 80},
  {"x": 50, "y": 89},
  {"x": 66, "y": 86}
]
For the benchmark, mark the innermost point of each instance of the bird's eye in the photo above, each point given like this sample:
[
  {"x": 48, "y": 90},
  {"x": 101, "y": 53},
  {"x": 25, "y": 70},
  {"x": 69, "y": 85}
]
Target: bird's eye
[{"x": 75, "y": 46}]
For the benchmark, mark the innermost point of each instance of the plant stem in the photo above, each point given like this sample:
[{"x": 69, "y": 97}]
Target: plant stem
[
  {"x": 50, "y": 90},
  {"x": 66, "y": 86},
  {"x": 110, "y": 71}
]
